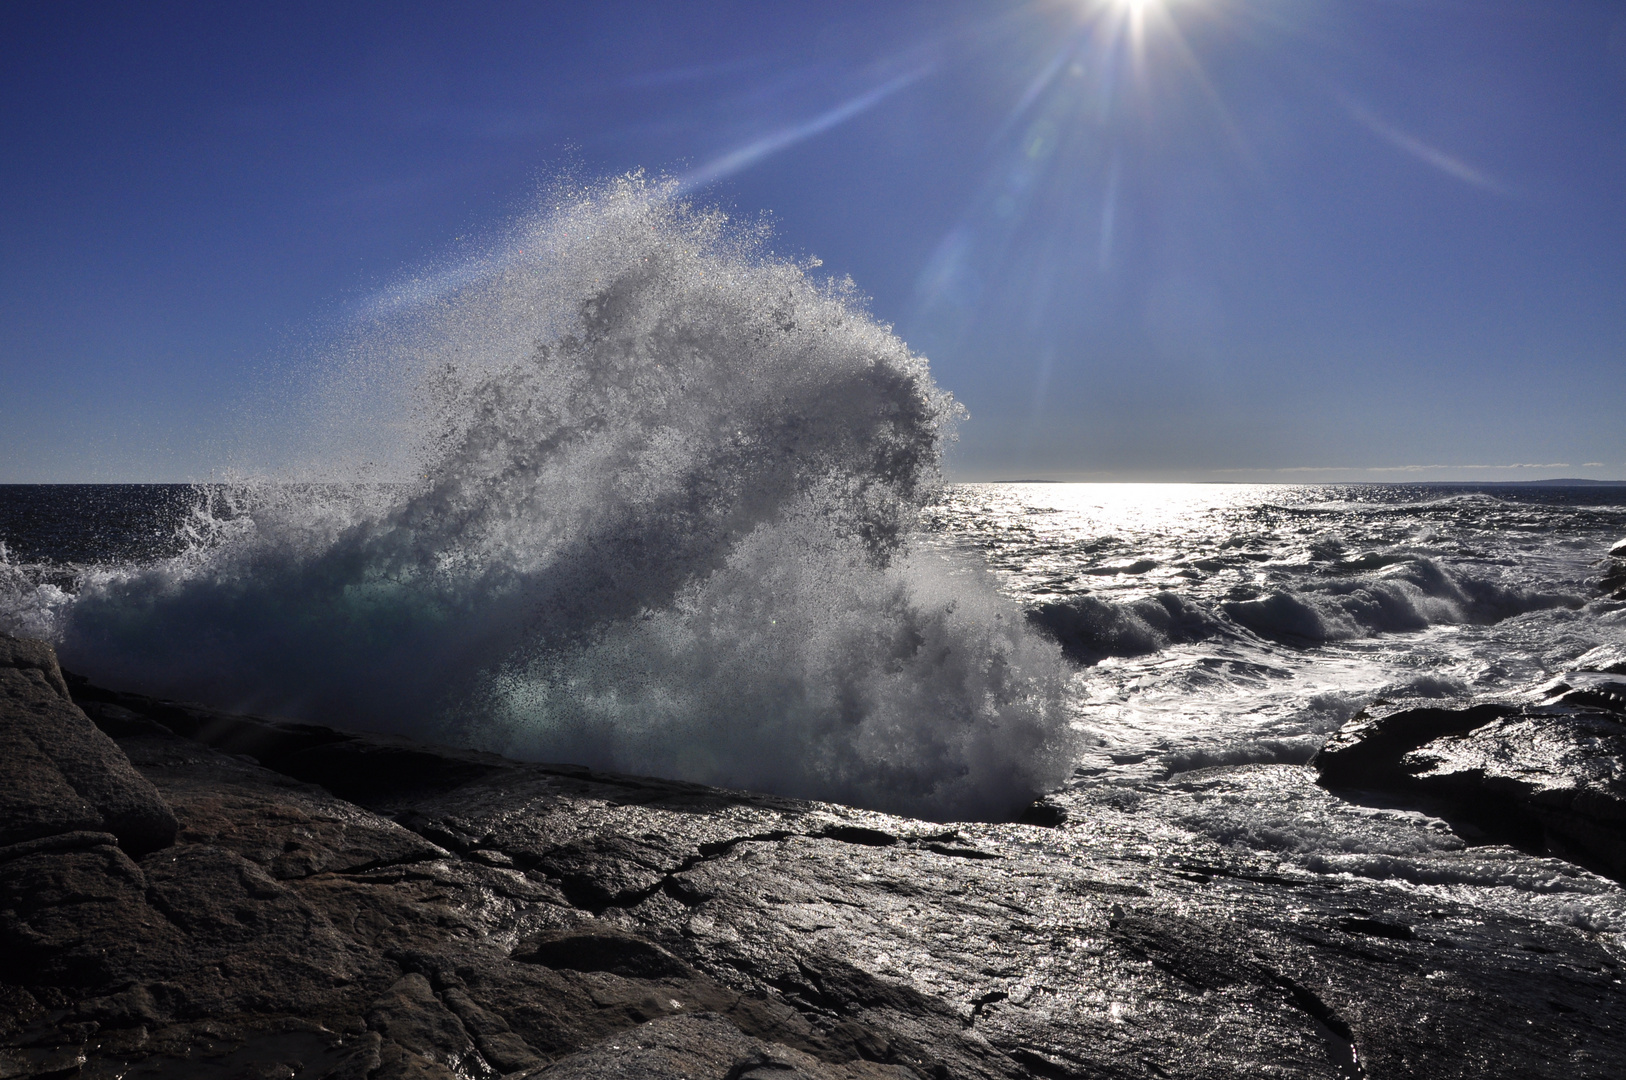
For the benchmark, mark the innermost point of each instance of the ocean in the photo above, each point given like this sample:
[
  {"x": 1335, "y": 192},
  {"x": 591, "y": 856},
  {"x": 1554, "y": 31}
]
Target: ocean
[
  {"x": 633, "y": 491},
  {"x": 1185, "y": 625},
  {"x": 1220, "y": 624}
]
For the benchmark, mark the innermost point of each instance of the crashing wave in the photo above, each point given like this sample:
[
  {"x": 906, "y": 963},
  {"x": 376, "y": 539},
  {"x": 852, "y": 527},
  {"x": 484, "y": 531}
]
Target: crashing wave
[
  {"x": 1090, "y": 629},
  {"x": 1408, "y": 593},
  {"x": 662, "y": 491}
]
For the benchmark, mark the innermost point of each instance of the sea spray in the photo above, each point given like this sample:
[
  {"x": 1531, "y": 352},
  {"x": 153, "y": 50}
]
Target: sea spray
[
  {"x": 802, "y": 666},
  {"x": 654, "y": 490}
]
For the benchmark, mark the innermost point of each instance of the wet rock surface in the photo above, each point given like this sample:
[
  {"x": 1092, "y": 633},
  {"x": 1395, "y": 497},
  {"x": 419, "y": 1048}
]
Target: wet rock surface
[
  {"x": 1613, "y": 580},
  {"x": 1548, "y": 776},
  {"x": 336, "y": 905}
]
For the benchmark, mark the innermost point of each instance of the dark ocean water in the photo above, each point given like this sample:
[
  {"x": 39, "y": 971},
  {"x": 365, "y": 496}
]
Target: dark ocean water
[{"x": 75, "y": 524}]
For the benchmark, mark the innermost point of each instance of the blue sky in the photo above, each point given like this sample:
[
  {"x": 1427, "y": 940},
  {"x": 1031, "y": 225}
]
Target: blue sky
[{"x": 1170, "y": 239}]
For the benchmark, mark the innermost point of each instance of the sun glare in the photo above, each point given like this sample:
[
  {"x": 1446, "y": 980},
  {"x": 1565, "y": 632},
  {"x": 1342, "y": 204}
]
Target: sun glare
[
  {"x": 1134, "y": 9},
  {"x": 1136, "y": 23},
  {"x": 1132, "y": 15}
]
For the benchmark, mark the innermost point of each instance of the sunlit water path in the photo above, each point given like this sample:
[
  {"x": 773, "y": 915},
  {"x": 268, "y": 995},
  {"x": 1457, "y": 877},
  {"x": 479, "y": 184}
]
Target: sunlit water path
[{"x": 1230, "y": 623}]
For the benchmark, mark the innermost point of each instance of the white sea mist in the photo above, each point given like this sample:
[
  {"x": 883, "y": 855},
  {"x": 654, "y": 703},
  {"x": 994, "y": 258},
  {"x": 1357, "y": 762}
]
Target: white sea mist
[{"x": 647, "y": 502}]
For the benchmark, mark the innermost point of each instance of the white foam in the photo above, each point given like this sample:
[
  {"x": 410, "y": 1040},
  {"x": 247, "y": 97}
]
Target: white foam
[
  {"x": 655, "y": 492},
  {"x": 1408, "y": 595}
]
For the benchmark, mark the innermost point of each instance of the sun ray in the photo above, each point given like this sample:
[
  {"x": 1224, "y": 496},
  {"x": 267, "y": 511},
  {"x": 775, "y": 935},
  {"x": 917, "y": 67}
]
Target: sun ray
[
  {"x": 1417, "y": 148},
  {"x": 1194, "y": 67}
]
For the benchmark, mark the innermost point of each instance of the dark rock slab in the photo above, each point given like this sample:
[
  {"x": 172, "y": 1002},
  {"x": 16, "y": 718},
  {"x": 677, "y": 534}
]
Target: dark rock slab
[
  {"x": 1135, "y": 939},
  {"x": 58, "y": 773},
  {"x": 473, "y": 917},
  {"x": 73, "y": 913},
  {"x": 683, "y": 1047},
  {"x": 1562, "y": 772},
  {"x": 601, "y": 947},
  {"x": 288, "y": 828},
  {"x": 1549, "y": 777},
  {"x": 354, "y": 766},
  {"x": 421, "y": 1035},
  {"x": 1366, "y": 751}
]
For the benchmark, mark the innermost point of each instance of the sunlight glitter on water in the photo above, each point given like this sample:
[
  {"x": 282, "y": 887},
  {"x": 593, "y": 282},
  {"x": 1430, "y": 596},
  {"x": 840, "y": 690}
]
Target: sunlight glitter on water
[{"x": 1227, "y": 623}]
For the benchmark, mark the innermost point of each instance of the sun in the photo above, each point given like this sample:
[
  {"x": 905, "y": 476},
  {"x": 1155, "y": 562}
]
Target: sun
[
  {"x": 1136, "y": 20},
  {"x": 1134, "y": 13},
  {"x": 1135, "y": 10}
]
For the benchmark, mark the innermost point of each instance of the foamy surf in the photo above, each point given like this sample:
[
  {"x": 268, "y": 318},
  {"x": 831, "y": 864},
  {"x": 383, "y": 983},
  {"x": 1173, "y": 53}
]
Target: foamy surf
[{"x": 655, "y": 491}]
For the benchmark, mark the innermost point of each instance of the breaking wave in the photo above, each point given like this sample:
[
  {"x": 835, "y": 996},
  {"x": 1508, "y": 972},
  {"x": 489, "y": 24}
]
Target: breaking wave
[
  {"x": 1410, "y": 592},
  {"x": 1090, "y": 629},
  {"x": 651, "y": 504}
]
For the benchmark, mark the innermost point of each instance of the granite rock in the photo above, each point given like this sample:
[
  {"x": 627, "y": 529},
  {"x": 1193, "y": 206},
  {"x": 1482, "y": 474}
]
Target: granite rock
[
  {"x": 1613, "y": 580},
  {"x": 1366, "y": 751},
  {"x": 1547, "y": 775},
  {"x": 58, "y": 772},
  {"x": 459, "y": 915}
]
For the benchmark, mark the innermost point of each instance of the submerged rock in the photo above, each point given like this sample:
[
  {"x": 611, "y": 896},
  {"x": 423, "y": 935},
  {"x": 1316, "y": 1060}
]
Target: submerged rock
[
  {"x": 1605, "y": 659},
  {"x": 446, "y": 914}
]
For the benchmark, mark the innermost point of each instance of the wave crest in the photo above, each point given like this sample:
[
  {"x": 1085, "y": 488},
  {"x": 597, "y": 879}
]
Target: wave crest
[{"x": 659, "y": 515}]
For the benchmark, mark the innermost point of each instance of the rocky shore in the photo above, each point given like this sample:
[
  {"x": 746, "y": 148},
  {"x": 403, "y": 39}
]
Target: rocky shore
[{"x": 186, "y": 892}]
